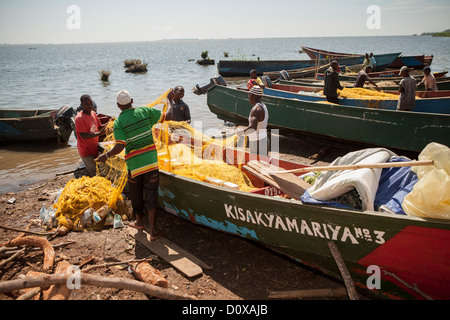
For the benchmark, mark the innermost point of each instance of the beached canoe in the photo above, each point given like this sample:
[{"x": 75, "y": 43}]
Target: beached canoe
[
  {"x": 411, "y": 254},
  {"x": 416, "y": 62},
  {"x": 428, "y": 105},
  {"x": 392, "y": 129},
  {"x": 17, "y": 125},
  {"x": 240, "y": 68},
  {"x": 442, "y": 85}
]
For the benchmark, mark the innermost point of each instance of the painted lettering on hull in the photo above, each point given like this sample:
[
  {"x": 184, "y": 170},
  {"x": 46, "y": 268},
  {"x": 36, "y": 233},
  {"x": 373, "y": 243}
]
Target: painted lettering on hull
[{"x": 310, "y": 228}]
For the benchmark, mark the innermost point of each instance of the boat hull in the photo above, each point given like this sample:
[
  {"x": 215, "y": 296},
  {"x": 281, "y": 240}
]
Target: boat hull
[
  {"x": 411, "y": 131},
  {"x": 442, "y": 85},
  {"x": 402, "y": 249},
  {"x": 34, "y": 126},
  {"x": 416, "y": 62},
  {"x": 230, "y": 68},
  {"x": 433, "y": 105}
]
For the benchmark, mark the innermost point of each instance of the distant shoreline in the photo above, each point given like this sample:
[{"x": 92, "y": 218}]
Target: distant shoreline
[
  {"x": 206, "y": 39},
  {"x": 445, "y": 33}
]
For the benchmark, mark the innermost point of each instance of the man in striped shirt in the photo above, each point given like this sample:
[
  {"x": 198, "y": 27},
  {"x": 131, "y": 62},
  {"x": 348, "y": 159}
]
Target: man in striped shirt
[{"x": 133, "y": 132}]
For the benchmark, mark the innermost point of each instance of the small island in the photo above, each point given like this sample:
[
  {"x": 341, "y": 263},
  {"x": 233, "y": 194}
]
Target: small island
[{"x": 445, "y": 33}]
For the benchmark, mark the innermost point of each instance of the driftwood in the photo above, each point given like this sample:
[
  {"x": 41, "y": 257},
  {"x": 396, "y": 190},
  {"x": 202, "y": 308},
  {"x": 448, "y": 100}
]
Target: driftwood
[
  {"x": 91, "y": 280},
  {"x": 309, "y": 294},
  {"x": 26, "y": 231},
  {"x": 60, "y": 292},
  {"x": 146, "y": 273},
  {"x": 4, "y": 251},
  {"x": 15, "y": 255},
  {"x": 34, "y": 241},
  {"x": 111, "y": 264},
  {"x": 30, "y": 294}
]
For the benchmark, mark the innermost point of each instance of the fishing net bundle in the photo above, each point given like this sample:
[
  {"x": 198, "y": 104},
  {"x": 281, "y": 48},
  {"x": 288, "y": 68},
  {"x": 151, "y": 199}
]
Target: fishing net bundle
[{"x": 187, "y": 152}]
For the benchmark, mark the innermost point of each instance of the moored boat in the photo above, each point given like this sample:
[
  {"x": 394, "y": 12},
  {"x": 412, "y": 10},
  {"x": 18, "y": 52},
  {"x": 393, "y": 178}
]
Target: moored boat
[
  {"x": 442, "y": 85},
  {"x": 420, "y": 94},
  {"x": 392, "y": 129},
  {"x": 427, "y": 105},
  {"x": 238, "y": 68},
  {"x": 416, "y": 62},
  {"x": 18, "y": 125}
]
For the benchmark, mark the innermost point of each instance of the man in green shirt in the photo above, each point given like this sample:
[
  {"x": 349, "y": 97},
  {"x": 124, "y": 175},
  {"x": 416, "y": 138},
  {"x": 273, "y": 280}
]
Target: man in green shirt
[{"x": 133, "y": 132}]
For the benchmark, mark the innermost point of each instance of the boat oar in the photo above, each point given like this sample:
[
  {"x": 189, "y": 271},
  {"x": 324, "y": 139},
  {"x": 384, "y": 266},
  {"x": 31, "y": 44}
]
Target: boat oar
[{"x": 359, "y": 166}]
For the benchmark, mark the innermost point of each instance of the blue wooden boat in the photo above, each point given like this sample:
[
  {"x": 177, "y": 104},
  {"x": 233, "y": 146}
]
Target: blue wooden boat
[
  {"x": 428, "y": 105},
  {"x": 232, "y": 68}
]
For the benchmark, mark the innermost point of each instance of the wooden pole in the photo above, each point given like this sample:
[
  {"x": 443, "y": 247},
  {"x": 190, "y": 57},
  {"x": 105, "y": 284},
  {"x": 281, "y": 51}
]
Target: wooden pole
[
  {"x": 360, "y": 166},
  {"x": 352, "y": 294},
  {"x": 91, "y": 280}
]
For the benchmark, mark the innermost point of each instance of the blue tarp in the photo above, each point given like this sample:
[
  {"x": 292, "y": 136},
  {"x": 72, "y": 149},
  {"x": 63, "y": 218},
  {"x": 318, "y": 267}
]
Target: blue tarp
[{"x": 395, "y": 184}]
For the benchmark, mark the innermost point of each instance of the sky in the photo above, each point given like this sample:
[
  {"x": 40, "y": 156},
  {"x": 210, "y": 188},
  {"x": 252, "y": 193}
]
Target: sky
[{"x": 55, "y": 21}]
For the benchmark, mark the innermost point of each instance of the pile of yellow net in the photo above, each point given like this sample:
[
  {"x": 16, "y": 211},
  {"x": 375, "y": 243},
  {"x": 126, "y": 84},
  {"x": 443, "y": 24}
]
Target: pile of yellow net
[
  {"x": 86, "y": 193},
  {"x": 181, "y": 150},
  {"x": 365, "y": 94}
]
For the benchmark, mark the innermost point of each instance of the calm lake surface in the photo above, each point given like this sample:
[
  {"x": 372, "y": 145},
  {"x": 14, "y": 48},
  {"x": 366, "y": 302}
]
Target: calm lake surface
[{"x": 50, "y": 76}]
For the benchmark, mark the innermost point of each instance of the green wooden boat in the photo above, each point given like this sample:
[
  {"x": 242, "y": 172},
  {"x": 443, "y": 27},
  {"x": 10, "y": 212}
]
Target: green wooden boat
[
  {"x": 410, "y": 254},
  {"x": 18, "y": 125},
  {"x": 411, "y": 131},
  {"x": 442, "y": 85}
]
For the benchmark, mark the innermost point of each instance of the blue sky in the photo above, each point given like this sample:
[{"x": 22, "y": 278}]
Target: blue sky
[{"x": 45, "y": 21}]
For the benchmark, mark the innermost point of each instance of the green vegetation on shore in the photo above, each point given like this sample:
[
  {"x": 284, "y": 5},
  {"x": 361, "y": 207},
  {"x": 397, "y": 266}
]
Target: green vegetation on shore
[{"x": 445, "y": 33}]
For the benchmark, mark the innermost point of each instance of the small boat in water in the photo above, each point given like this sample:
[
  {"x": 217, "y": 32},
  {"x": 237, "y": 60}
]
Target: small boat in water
[
  {"x": 242, "y": 68},
  {"x": 416, "y": 62},
  {"x": 18, "y": 125}
]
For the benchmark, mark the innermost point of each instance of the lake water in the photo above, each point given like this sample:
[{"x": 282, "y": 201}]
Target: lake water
[{"x": 51, "y": 76}]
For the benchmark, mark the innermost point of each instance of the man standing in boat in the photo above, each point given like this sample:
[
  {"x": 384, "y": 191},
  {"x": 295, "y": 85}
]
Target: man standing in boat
[
  {"x": 88, "y": 130},
  {"x": 332, "y": 83},
  {"x": 407, "y": 89},
  {"x": 373, "y": 62},
  {"x": 254, "y": 80},
  {"x": 257, "y": 129},
  {"x": 363, "y": 77},
  {"x": 133, "y": 132},
  {"x": 428, "y": 80}
]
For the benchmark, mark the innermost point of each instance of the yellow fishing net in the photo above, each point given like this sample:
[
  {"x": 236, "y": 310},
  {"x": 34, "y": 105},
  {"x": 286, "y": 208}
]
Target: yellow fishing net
[
  {"x": 187, "y": 152},
  {"x": 365, "y": 94},
  {"x": 181, "y": 150}
]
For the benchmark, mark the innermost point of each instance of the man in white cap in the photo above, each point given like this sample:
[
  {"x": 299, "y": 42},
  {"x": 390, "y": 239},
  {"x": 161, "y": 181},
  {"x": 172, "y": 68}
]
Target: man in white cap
[
  {"x": 257, "y": 128},
  {"x": 133, "y": 132},
  {"x": 407, "y": 89}
]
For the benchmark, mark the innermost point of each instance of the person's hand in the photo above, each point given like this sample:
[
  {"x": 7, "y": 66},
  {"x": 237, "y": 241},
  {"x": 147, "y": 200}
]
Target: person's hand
[
  {"x": 171, "y": 95},
  {"x": 102, "y": 158}
]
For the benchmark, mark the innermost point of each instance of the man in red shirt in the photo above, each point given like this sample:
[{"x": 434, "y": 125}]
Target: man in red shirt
[{"x": 88, "y": 129}]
